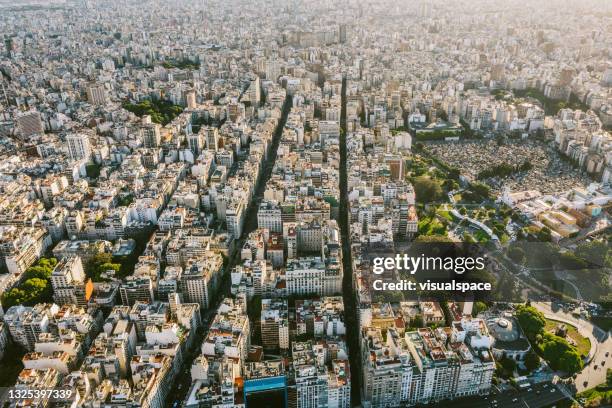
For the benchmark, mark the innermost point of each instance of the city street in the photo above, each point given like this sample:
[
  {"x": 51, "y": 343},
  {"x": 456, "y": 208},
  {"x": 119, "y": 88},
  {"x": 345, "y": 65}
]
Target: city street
[
  {"x": 541, "y": 395},
  {"x": 601, "y": 343}
]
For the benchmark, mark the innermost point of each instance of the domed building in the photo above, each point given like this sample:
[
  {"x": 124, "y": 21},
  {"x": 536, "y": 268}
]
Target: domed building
[{"x": 508, "y": 338}]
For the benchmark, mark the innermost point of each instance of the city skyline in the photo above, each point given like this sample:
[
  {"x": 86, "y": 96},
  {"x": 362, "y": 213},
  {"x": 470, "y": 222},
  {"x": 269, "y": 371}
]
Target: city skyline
[{"x": 195, "y": 196}]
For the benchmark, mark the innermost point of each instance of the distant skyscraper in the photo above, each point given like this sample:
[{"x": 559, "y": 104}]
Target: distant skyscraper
[
  {"x": 342, "y": 33},
  {"x": 196, "y": 143},
  {"x": 150, "y": 133},
  {"x": 78, "y": 146},
  {"x": 255, "y": 91},
  {"x": 273, "y": 69},
  {"x": 497, "y": 72},
  {"x": 29, "y": 124},
  {"x": 607, "y": 77},
  {"x": 190, "y": 99},
  {"x": 212, "y": 138},
  {"x": 96, "y": 94},
  {"x": 566, "y": 76},
  {"x": 8, "y": 44}
]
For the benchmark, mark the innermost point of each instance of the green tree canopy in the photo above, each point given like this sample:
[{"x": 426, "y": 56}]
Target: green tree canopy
[
  {"x": 532, "y": 361},
  {"x": 532, "y": 321},
  {"x": 517, "y": 254},
  {"x": 559, "y": 354},
  {"x": 427, "y": 190},
  {"x": 478, "y": 307}
]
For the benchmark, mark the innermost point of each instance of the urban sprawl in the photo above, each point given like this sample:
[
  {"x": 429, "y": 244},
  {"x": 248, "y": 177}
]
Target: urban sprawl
[{"x": 194, "y": 195}]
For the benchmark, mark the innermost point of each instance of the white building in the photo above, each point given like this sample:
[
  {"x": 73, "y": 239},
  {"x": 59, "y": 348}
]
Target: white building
[{"x": 78, "y": 146}]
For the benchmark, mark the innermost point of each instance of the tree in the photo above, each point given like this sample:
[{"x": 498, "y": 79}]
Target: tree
[
  {"x": 35, "y": 286},
  {"x": 427, "y": 190},
  {"x": 93, "y": 170},
  {"x": 47, "y": 262},
  {"x": 517, "y": 254},
  {"x": 38, "y": 272},
  {"x": 99, "y": 264},
  {"x": 569, "y": 260},
  {"x": 544, "y": 235},
  {"x": 532, "y": 361},
  {"x": 559, "y": 354},
  {"x": 13, "y": 297},
  {"x": 481, "y": 189},
  {"x": 532, "y": 321},
  {"x": 433, "y": 238},
  {"x": 417, "y": 321},
  {"x": 508, "y": 364},
  {"x": 109, "y": 266},
  {"x": 570, "y": 362},
  {"x": 478, "y": 307},
  {"x": 598, "y": 253}
]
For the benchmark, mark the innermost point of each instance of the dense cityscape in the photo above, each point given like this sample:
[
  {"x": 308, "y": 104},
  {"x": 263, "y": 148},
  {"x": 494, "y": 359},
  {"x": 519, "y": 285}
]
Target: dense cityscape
[{"x": 193, "y": 194}]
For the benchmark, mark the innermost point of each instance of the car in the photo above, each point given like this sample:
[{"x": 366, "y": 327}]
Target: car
[
  {"x": 552, "y": 390},
  {"x": 514, "y": 399},
  {"x": 545, "y": 385},
  {"x": 529, "y": 390}
]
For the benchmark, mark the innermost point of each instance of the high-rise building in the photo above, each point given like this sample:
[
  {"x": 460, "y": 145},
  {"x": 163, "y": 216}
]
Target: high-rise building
[
  {"x": 96, "y": 94},
  {"x": 230, "y": 333},
  {"x": 29, "y": 124},
  {"x": 312, "y": 275},
  {"x": 234, "y": 217},
  {"x": 150, "y": 134},
  {"x": 200, "y": 279},
  {"x": 136, "y": 289},
  {"x": 26, "y": 323},
  {"x": 322, "y": 378},
  {"x": 78, "y": 146},
  {"x": 342, "y": 33},
  {"x": 566, "y": 76},
  {"x": 607, "y": 77},
  {"x": 69, "y": 283},
  {"x": 190, "y": 99},
  {"x": 426, "y": 366},
  {"x": 498, "y": 72},
  {"x": 211, "y": 135},
  {"x": 274, "y": 324},
  {"x": 255, "y": 91},
  {"x": 269, "y": 216},
  {"x": 265, "y": 384},
  {"x": 196, "y": 142},
  {"x": 273, "y": 69}
]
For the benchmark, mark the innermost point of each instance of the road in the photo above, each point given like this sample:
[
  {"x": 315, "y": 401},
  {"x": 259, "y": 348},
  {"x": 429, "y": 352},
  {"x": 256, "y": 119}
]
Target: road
[
  {"x": 182, "y": 384},
  {"x": 348, "y": 288},
  {"x": 601, "y": 343},
  {"x": 541, "y": 395}
]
